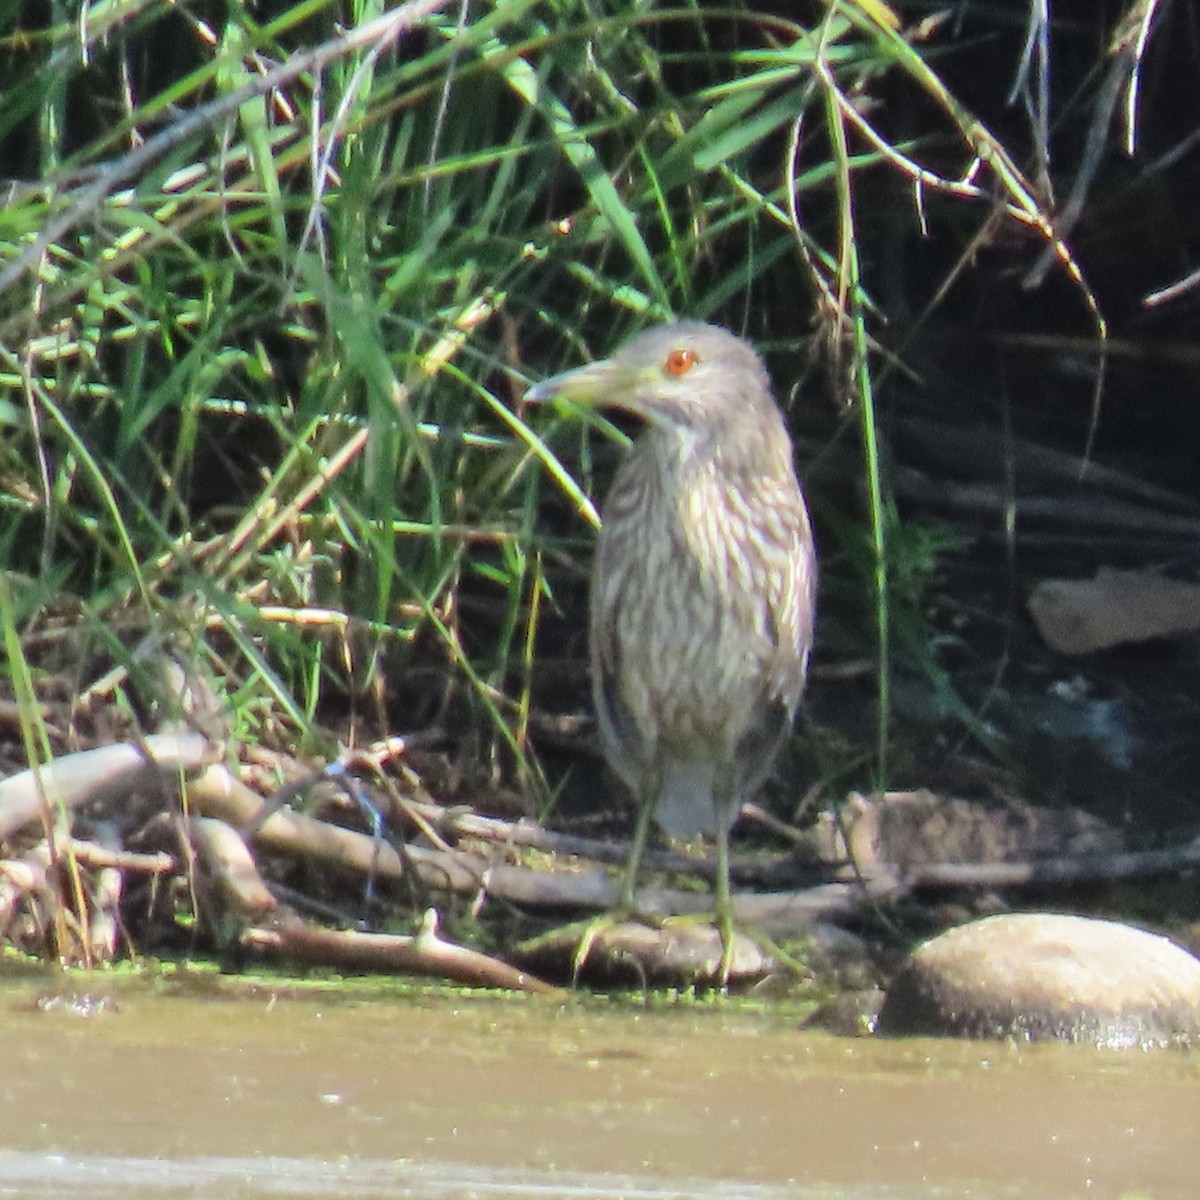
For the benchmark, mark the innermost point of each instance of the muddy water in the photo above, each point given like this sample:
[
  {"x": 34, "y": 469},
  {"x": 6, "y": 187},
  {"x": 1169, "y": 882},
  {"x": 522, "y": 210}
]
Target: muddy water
[{"x": 438, "y": 1095}]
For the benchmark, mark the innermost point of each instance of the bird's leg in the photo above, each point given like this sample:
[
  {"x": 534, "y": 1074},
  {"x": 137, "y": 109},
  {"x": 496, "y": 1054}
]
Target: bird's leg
[
  {"x": 647, "y": 793},
  {"x": 720, "y": 916},
  {"x": 723, "y": 906},
  {"x": 724, "y": 798}
]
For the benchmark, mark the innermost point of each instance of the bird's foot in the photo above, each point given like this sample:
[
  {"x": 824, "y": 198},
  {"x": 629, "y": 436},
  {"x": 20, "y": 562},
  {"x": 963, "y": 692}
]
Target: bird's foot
[
  {"x": 639, "y": 948},
  {"x": 736, "y": 955},
  {"x": 747, "y": 954},
  {"x": 728, "y": 934},
  {"x": 614, "y": 944},
  {"x": 772, "y": 949},
  {"x": 595, "y": 930}
]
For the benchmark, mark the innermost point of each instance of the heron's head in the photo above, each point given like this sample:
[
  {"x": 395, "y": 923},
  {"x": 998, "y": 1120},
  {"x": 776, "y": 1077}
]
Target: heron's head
[{"x": 683, "y": 378}]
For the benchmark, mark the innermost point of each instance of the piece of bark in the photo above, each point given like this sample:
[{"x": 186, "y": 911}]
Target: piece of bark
[
  {"x": 1066, "y": 869},
  {"x": 107, "y": 887},
  {"x": 762, "y": 868},
  {"x": 217, "y": 793},
  {"x": 976, "y": 449},
  {"x": 22, "y": 879},
  {"x": 672, "y": 954},
  {"x": 1079, "y": 616},
  {"x": 101, "y": 774},
  {"x": 425, "y": 954},
  {"x": 528, "y": 834},
  {"x": 231, "y": 868},
  {"x": 89, "y": 854},
  {"x": 907, "y": 830}
]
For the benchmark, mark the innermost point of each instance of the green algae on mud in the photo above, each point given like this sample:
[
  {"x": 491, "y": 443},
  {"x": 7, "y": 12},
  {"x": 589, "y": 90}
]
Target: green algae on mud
[
  {"x": 666, "y": 1088},
  {"x": 207, "y": 982}
]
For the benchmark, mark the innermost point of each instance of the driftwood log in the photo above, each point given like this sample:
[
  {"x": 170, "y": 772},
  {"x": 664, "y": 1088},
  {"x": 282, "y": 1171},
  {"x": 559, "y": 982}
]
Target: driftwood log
[{"x": 875, "y": 850}]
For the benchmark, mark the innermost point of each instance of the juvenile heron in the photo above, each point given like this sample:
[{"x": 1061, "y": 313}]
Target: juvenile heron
[{"x": 704, "y": 585}]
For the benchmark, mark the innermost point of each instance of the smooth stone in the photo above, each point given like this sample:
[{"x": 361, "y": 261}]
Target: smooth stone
[{"x": 1034, "y": 977}]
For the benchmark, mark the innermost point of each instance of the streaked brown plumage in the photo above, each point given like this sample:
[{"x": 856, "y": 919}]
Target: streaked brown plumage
[{"x": 704, "y": 585}]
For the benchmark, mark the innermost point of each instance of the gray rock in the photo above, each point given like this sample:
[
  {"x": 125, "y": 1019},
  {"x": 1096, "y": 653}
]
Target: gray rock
[{"x": 1045, "y": 977}]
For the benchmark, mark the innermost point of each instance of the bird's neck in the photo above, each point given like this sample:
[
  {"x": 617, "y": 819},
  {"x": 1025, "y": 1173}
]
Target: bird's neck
[{"x": 682, "y": 458}]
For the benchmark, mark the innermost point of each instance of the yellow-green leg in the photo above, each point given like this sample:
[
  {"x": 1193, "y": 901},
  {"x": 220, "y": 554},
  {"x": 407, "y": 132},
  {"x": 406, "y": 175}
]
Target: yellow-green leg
[
  {"x": 626, "y": 903},
  {"x": 723, "y": 905},
  {"x": 724, "y": 798},
  {"x": 640, "y": 832},
  {"x": 724, "y": 803}
]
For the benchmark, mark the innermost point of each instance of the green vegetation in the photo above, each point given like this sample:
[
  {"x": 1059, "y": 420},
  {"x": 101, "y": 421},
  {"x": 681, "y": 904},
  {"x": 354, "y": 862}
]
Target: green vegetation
[{"x": 273, "y": 280}]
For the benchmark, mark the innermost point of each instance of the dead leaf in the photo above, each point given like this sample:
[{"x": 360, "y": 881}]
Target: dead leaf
[{"x": 1077, "y": 616}]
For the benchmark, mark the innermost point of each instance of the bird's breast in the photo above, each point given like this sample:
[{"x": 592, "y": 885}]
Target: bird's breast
[{"x": 683, "y": 610}]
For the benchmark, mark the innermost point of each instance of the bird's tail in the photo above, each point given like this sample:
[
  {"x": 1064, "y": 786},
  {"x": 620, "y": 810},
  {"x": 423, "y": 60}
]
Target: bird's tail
[{"x": 686, "y": 805}]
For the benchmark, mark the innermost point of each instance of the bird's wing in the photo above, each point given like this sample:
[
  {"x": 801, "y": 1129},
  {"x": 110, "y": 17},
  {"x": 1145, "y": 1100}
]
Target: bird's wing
[
  {"x": 790, "y": 597},
  {"x": 788, "y": 594},
  {"x": 623, "y": 744}
]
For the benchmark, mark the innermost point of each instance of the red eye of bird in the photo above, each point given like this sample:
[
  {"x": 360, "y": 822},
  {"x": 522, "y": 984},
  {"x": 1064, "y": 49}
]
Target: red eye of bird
[{"x": 680, "y": 362}]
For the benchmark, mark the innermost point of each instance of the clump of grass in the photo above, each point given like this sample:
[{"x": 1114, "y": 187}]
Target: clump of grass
[{"x": 274, "y": 287}]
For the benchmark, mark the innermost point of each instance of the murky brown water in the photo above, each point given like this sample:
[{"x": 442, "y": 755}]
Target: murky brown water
[{"x": 444, "y": 1096}]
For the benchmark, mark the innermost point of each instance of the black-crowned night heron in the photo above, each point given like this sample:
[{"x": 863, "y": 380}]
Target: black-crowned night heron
[{"x": 704, "y": 585}]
